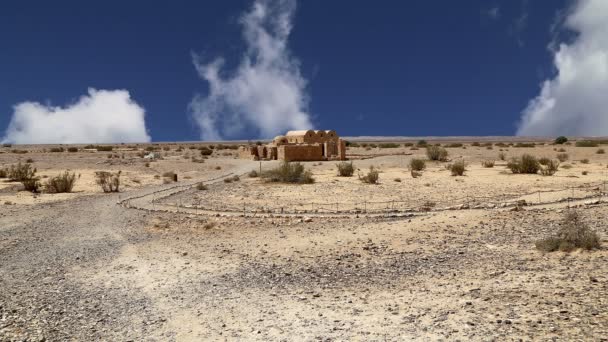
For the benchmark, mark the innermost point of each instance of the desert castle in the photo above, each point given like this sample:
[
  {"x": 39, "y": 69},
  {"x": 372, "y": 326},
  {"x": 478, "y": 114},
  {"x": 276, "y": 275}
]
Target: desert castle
[{"x": 299, "y": 146}]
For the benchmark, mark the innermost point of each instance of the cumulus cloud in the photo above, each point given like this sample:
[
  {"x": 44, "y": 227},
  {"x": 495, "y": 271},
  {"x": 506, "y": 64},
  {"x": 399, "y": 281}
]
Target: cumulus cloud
[
  {"x": 102, "y": 116},
  {"x": 575, "y": 101},
  {"x": 266, "y": 94}
]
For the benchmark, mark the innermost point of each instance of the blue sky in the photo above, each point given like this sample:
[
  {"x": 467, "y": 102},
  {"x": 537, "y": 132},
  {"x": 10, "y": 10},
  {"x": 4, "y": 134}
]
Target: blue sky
[{"x": 410, "y": 68}]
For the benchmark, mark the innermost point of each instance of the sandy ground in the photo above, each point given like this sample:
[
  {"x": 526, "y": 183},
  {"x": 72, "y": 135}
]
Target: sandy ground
[{"x": 80, "y": 267}]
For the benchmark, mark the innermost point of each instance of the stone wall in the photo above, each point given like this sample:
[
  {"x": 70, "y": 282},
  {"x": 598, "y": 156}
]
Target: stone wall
[{"x": 300, "y": 152}]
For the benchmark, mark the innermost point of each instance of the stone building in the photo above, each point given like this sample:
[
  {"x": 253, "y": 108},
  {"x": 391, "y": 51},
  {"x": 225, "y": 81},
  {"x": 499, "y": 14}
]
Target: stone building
[{"x": 306, "y": 145}]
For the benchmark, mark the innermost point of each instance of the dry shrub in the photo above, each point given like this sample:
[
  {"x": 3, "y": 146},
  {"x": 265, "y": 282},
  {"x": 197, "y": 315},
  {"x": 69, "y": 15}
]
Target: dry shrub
[
  {"x": 72, "y": 149},
  {"x": 253, "y": 174},
  {"x": 548, "y": 168},
  {"x": 398, "y": 180},
  {"x": 3, "y": 173},
  {"x": 206, "y": 151},
  {"x": 109, "y": 182},
  {"x": 525, "y": 164},
  {"x": 61, "y": 183},
  {"x": 228, "y": 180},
  {"x": 487, "y": 163},
  {"x": 544, "y": 161},
  {"x": 458, "y": 168},
  {"x": 502, "y": 156},
  {"x": 522, "y": 144},
  {"x": 436, "y": 153},
  {"x": 573, "y": 234},
  {"x": 417, "y": 164},
  {"x": 415, "y": 174},
  {"x": 584, "y": 173},
  {"x": 453, "y": 145},
  {"x": 209, "y": 225},
  {"x": 600, "y": 151},
  {"x": 562, "y": 157},
  {"x": 288, "y": 173},
  {"x": 371, "y": 177},
  {"x": 566, "y": 166},
  {"x": 585, "y": 161},
  {"x": 56, "y": 149},
  {"x": 345, "y": 169},
  {"x": 201, "y": 186},
  {"x": 21, "y": 172}
]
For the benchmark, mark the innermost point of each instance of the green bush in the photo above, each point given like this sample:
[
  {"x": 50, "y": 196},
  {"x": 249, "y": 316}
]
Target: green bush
[
  {"x": 457, "y": 168},
  {"x": 561, "y": 140},
  {"x": 524, "y": 164},
  {"x": 345, "y": 169},
  {"x": 288, "y": 173},
  {"x": 371, "y": 177},
  {"x": 573, "y": 234},
  {"x": 586, "y": 143},
  {"x": 61, "y": 184},
  {"x": 417, "y": 164},
  {"x": 436, "y": 153}
]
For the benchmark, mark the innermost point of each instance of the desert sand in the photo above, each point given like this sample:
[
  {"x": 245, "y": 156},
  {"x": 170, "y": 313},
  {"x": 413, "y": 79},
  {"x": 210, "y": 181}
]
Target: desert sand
[{"x": 437, "y": 257}]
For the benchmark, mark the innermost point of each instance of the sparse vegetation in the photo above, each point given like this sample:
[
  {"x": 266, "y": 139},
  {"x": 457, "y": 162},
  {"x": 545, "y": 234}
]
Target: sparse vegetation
[
  {"x": 109, "y": 182},
  {"x": 561, "y": 140},
  {"x": 454, "y": 145},
  {"x": 458, "y": 168},
  {"x": 388, "y": 145},
  {"x": 525, "y": 164},
  {"x": 72, "y": 149},
  {"x": 525, "y": 145},
  {"x": 436, "y": 153},
  {"x": 422, "y": 143},
  {"x": 573, "y": 234},
  {"x": 21, "y": 172},
  {"x": 371, "y": 177},
  {"x": 586, "y": 143},
  {"x": 345, "y": 169},
  {"x": 288, "y": 173},
  {"x": 56, "y": 149},
  {"x": 61, "y": 184},
  {"x": 600, "y": 151},
  {"x": 417, "y": 164}
]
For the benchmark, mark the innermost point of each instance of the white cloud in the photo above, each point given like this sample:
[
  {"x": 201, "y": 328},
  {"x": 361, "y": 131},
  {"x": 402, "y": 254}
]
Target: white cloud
[
  {"x": 266, "y": 94},
  {"x": 102, "y": 116},
  {"x": 575, "y": 101},
  {"x": 493, "y": 13}
]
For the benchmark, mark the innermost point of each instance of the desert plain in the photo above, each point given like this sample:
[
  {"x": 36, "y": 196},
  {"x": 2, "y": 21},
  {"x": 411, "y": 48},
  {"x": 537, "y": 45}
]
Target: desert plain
[{"x": 220, "y": 254}]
